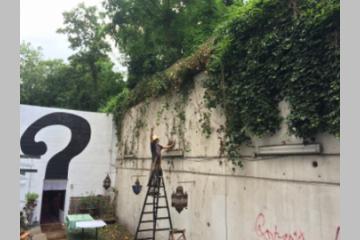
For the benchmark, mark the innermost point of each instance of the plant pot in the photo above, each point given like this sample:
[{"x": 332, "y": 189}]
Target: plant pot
[
  {"x": 89, "y": 210},
  {"x": 93, "y": 211},
  {"x": 31, "y": 204}
]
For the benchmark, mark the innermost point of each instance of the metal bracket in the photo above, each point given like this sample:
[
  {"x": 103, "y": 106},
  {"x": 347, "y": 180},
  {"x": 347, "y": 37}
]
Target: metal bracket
[
  {"x": 137, "y": 176},
  {"x": 193, "y": 182}
]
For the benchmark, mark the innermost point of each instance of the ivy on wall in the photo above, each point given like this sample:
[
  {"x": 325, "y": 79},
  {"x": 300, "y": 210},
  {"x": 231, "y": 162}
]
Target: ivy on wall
[
  {"x": 176, "y": 79},
  {"x": 267, "y": 51},
  {"x": 273, "y": 50}
]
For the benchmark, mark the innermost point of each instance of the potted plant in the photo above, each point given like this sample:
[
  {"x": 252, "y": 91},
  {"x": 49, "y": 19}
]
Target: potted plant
[
  {"x": 106, "y": 210},
  {"x": 23, "y": 222},
  {"x": 31, "y": 198},
  {"x": 89, "y": 204},
  {"x": 30, "y": 205}
]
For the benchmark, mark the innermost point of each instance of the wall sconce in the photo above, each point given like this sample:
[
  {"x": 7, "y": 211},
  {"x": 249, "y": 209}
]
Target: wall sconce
[
  {"x": 179, "y": 199},
  {"x": 137, "y": 187},
  {"x": 107, "y": 182}
]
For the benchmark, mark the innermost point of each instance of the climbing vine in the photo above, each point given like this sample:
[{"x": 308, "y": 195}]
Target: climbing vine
[
  {"x": 140, "y": 122},
  {"x": 265, "y": 52},
  {"x": 176, "y": 79},
  {"x": 179, "y": 108},
  {"x": 273, "y": 50},
  {"x": 205, "y": 124}
]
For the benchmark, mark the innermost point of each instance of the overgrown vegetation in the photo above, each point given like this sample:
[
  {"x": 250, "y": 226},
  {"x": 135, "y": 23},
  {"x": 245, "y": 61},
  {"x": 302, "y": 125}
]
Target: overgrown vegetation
[
  {"x": 98, "y": 206},
  {"x": 178, "y": 78},
  {"x": 273, "y": 50},
  {"x": 261, "y": 53},
  {"x": 205, "y": 122},
  {"x": 267, "y": 51},
  {"x": 85, "y": 83},
  {"x": 155, "y": 34}
]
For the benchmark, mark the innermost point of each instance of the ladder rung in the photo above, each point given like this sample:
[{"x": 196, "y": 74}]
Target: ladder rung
[
  {"x": 162, "y": 229},
  {"x": 162, "y": 207},
  {"x": 154, "y": 186},
  {"x": 147, "y": 221},
  {"x": 145, "y": 230},
  {"x": 159, "y": 218},
  {"x": 145, "y": 238},
  {"x": 161, "y": 196},
  {"x": 148, "y": 212},
  {"x": 156, "y": 230}
]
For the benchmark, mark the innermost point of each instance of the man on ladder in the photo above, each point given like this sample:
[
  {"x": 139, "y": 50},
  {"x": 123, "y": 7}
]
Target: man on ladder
[
  {"x": 155, "y": 183},
  {"x": 156, "y": 170},
  {"x": 156, "y": 149}
]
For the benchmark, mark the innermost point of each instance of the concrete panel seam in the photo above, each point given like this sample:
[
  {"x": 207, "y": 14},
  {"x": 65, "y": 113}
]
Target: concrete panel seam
[
  {"x": 244, "y": 157},
  {"x": 241, "y": 176}
]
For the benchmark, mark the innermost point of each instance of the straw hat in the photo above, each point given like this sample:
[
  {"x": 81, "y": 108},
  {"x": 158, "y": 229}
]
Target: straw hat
[{"x": 155, "y": 137}]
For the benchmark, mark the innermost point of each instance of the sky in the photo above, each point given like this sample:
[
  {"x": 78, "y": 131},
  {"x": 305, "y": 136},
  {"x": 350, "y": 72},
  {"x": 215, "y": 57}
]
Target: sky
[{"x": 39, "y": 20}]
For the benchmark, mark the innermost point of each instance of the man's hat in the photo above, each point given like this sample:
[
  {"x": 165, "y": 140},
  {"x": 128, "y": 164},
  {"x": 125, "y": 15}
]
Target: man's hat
[{"x": 155, "y": 137}]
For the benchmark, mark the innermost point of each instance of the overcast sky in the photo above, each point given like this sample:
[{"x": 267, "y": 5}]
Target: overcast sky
[{"x": 39, "y": 20}]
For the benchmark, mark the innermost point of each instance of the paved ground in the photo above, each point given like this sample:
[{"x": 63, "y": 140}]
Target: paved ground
[{"x": 54, "y": 231}]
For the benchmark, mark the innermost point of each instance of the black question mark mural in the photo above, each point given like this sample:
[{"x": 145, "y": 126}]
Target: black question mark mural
[{"x": 58, "y": 165}]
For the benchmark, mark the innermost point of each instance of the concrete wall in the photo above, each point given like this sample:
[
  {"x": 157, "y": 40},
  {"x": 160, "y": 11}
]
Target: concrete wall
[
  {"x": 86, "y": 171},
  {"x": 274, "y": 197}
]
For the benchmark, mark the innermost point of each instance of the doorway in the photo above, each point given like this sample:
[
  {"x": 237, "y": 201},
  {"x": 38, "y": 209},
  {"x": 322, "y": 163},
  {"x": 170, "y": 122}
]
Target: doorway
[{"x": 52, "y": 206}]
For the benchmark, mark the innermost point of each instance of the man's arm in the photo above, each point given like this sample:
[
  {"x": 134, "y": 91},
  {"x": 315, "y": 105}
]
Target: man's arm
[
  {"x": 169, "y": 146},
  {"x": 151, "y": 134}
]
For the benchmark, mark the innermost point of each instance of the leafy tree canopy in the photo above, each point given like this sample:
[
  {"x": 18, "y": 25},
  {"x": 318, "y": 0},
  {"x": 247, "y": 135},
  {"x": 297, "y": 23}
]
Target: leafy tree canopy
[
  {"x": 156, "y": 33},
  {"x": 87, "y": 82}
]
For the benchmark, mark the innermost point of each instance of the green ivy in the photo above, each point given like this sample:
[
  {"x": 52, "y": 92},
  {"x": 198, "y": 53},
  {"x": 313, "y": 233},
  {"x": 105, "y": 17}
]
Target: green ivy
[
  {"x": 176, "y": 79},
  {"x": 273, "y": 50},
  {"x": 265, "y": 52},
  {"x": 205, "y": 124}
]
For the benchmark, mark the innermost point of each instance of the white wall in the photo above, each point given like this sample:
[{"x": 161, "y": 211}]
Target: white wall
[
  {"x": 268, "y": 196},
  {"x": 86, "y": 170}
]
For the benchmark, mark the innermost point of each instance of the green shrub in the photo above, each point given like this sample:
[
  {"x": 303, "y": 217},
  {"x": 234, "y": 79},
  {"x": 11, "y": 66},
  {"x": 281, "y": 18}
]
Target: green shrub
[
  {"x": 31, "y": 197},
  {"x": 274, "y": 50}
]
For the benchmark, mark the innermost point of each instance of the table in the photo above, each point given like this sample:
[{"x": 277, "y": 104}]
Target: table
[
  {"x": 71, "y": 220},
  {"x": 91, "y": 224}
]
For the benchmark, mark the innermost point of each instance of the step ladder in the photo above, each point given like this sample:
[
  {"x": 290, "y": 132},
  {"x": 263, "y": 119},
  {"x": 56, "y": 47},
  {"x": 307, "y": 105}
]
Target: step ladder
[{"x": 155, "y": 199}]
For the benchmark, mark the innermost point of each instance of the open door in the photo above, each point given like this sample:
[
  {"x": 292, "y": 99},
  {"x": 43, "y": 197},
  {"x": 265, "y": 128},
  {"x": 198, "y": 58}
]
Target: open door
[{"x": 52, "y": 206}]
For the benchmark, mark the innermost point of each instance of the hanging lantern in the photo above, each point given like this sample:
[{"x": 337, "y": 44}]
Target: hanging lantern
[
  {"x": 137, "y": 187},
  {"x": 179, "y": 199},
  {"x": 107, "y": 182}
]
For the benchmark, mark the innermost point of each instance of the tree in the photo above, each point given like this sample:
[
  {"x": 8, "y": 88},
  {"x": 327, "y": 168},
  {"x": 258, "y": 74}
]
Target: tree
[
  {"x": 53, "y": 83},
  {"x": 34, "y": 73},
  {"x": 87, "y": 82},
  {"x": 156, "y": 33},
  {"x": 85, "y": 29}
]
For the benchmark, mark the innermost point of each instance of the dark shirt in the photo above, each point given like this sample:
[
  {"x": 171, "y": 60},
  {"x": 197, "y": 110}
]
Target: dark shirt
[{"x": 155, "y": 151}]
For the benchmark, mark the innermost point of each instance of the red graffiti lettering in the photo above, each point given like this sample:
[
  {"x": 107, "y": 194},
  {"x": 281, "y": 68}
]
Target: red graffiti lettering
[
  {"x": 268, "y": 234},
  {"x": 337, "y": 236}
]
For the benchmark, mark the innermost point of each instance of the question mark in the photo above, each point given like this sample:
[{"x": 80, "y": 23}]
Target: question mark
[{"x": 58, "y": 165}]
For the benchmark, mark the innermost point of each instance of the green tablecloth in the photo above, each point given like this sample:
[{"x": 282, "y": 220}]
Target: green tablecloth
[{"x": 71, "y": 220}]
